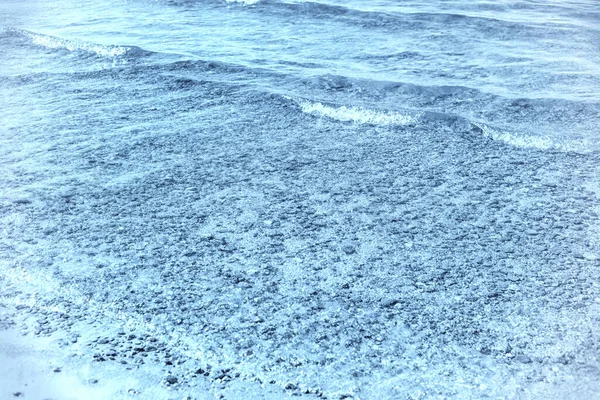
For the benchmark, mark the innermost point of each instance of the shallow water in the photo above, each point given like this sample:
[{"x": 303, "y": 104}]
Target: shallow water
[{"x": 375, "y": 200}]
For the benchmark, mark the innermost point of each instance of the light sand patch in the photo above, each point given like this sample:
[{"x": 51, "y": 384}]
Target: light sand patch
[{"x": 38, "y": 370}]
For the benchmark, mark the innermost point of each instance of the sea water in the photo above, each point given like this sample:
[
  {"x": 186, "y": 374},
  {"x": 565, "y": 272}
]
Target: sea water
[{"x": 525, "y": 72}]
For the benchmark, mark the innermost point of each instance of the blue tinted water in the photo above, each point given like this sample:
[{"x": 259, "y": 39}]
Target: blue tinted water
[
  {"x": 525, "y": 72},
  {"x": 391, "y": 199}
]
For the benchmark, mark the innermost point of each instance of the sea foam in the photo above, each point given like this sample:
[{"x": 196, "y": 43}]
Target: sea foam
[{"x": 246, "y": 2}]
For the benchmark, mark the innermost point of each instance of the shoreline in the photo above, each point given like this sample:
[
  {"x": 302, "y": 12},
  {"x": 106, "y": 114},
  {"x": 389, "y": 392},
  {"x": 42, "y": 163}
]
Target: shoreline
[
  {"x": 27, "y": 369},
  {"x": 34, "y": 367}
]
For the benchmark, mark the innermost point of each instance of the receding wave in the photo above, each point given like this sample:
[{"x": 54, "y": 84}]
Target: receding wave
[{"x": 358, "y": 114}]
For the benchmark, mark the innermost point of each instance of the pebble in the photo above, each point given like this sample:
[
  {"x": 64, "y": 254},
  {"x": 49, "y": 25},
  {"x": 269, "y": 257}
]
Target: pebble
[
  {"x": 21, "y": 200},
  {"x": 171, "y": 380},
  {"x": 523, "y": 359},
  {"x": 389, "y": 302},
  {"x": 92, "y": 381},
  {"x": 564, "y": 360},
  {"x": 348, "y": 249}
]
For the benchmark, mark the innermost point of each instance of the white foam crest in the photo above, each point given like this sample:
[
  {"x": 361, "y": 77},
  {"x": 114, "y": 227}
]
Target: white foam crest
[
  {"x": 246, "y": 2},
  {"x": 359, "y": 115},
  {"x": 528, "y": 141},
  {"x": 50, "y": 42}
]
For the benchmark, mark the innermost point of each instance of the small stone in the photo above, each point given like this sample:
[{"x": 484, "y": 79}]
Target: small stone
[
  {"x": 389, "y": 302},
  {"x": 523, "y": 359},
  {"x": 56, "y": 369},
  {"x": 92, "y": 381},
  {"x": 291, "y": 386},
  {"x": 171, "y": 380},
  {"x": 564, "y": 360},
  {"x": 18, "y": 394},
  {"x": 103, "y": 341},
  {"x": 348, "y": 249},
  {"x": 21, "y": 200}
]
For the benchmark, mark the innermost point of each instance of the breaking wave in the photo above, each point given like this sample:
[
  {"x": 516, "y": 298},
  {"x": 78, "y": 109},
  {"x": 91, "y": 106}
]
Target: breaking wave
[
  {"x": 533, "y": 142},
  {"x": 359, "y": 115},
  {"x": 51, "y": 42}
]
